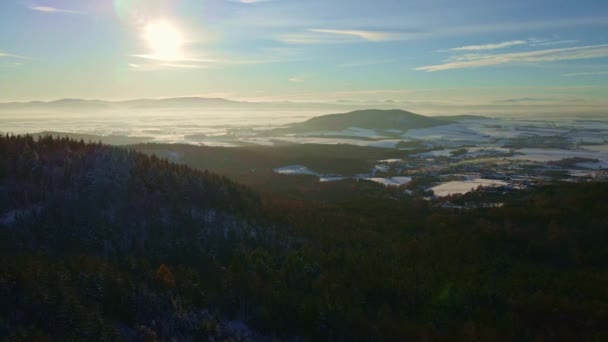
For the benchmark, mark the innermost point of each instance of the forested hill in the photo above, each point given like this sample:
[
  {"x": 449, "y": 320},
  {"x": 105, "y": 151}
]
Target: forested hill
[
  {"x": 60, "y": 197},
  {"x": 99, "y": 243},
  {"x": 367, "y": 119}
]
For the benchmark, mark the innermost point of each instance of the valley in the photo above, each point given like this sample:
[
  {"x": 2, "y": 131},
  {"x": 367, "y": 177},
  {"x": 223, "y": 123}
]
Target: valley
[{"x": 358, "y": 232}]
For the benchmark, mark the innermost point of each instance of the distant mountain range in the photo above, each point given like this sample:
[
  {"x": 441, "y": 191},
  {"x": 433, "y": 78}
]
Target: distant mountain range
[
  {"x": 194, "y": 103},
  {"x": 168, "y": 103},
  {"x": 139, "y": 103}
]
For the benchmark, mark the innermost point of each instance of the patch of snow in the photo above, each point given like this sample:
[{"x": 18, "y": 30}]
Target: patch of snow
[
  {"x": 381, "y": 168},
  {"x": 463, "y": 187},
  {"x": 390, "y": 161},
  {"x": 295, "y": 170},
  {"x": 436, "y": 153},
  {"x": 388, "y": 143},
  {"x": 581, "y": 173},
  {"x": 393, "y": 181},
  {"x": 546, "y": 154},
  {"x": 331, "y": 178}
]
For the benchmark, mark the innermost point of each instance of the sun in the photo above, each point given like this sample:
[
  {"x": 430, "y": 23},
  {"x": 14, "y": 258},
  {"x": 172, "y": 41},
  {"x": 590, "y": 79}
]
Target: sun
[{"x": 164, "y": 39}]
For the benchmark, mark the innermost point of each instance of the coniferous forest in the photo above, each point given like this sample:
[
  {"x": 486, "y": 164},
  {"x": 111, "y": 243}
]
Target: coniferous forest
[{"x": 105, "y": 243}]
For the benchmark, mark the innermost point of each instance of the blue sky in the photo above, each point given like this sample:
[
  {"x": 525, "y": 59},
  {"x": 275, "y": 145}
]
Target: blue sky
[{"x": 468, "y": 51}]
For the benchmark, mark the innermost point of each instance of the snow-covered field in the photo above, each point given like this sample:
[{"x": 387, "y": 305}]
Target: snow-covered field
[
  {"x": 463, "y": 187},
  {"x": 546, "y": 154},
  {"x": 434, "y": 154},
  {"x": 303, "y": 170},
  {"x": 392, "y": 181},
  {"x": 295, "y": 170},
  {"x": 388, "y": 143}
]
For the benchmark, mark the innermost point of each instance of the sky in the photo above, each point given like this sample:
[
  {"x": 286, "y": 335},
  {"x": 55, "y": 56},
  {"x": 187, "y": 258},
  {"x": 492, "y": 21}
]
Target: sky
[{"x": 473, "y": 52}]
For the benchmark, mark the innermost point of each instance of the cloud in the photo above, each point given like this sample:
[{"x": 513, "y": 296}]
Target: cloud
[
  {"x": 10, "y": 55},
  {"x": 153, "y": 63},
  {"x": 332, "y": 36},
  {"x": 48, "y": 9},
  {"x": 540, "y": 42},
  {"x": 553, "y": 24},
  {"x": 528, "y": 99},
  {"x": 296, "y": 79},
  {"x": 550, "y": 55},
  {"x": 494, "y": 46},
  {"x": 366, "y": 35},
  {"x": 590, "y": 73}
]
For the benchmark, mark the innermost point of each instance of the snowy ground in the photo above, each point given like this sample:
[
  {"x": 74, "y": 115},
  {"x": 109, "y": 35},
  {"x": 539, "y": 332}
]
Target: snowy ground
[
  {"x": 303, "y": 170},
  {"x": 392, "y": 181},
  {"x": 295, "y": 170},
  {"x": 546, "y": 155},
  {"x": 463, "y": 187}
]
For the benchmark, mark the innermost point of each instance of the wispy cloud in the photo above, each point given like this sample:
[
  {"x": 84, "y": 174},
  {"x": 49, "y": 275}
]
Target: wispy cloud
[
  {"x": 527, "y": 99},
  {"x": 48, "y": 9},
  {"x": 10, "y": 55},
  {"x": 541, "y": 42},
  {"x": 550, "y": 55},
  {"x": 296, "y": 79},
  {"x": 526, "y": 26},
  {"x": 494, "y": 46},
  {"x": 330, "y": 36},
  {"x": 590, "y": 73},
  {"x": 366, "y": 35},
  {"x": 153, "y": 63}
]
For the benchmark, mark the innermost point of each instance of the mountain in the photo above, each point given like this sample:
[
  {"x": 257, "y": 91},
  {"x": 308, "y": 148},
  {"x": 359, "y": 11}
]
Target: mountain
[
  {"x": 180, "y": 102},
  {"x": 366, "y": 119},
  {"x": 197, "y": 102}
]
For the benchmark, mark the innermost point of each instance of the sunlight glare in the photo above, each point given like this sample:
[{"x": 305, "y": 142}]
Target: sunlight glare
[{"x": 164, "y": 39}]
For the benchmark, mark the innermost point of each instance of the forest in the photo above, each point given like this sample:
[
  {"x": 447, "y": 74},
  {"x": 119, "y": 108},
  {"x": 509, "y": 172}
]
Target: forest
[{"x": 106, "y": 243}]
